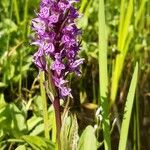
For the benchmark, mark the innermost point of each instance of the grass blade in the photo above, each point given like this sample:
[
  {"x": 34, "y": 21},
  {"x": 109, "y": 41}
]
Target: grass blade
[
  {"x": 124, "y": 37},
  {"x": 103, "y": 75},
  {"x": 44, "y": 101},
  {"x": 128, "y": 111},
  {"x": 140, "y": 12}
]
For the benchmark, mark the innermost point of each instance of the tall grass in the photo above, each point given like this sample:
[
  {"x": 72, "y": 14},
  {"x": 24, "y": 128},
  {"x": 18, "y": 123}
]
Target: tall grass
[
  {"x": 103, "y": 75},
  {"x": 44, "y": 102},
  {"x": 127, "y": 111},
  {"x": 124, "y": 38},
  {"x": 27, "y": 119}
]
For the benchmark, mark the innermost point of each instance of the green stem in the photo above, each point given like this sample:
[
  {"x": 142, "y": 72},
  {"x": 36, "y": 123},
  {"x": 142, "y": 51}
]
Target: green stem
[
  {"x": 86, "y": 13},
  {"x": 16, "y": 11},
  {"x": 15, "y": 140},
  {"x": 25, "y": 19},
  {"x": 8, "y": 40},
  {"x": 10, "y": 16},
  {"x": 20, "y": 68},
  {"x": 134, "y": 132},
  {"x": 137, "y": 120},
  {"x": 44, "y": 102},
  {"x": 83, "y": 5}
]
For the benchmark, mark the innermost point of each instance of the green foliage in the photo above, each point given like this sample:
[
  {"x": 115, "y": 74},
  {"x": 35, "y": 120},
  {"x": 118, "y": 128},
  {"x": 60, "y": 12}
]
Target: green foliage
[
  {"x": 128, "y": 111},
  {"x": 103, "y": 75},
  {"x": 39, "y": 143},
  {"x": 69, "y": 132},
  {"x": 115, "y": 35},
  {"x": 12, "y": 121},
  {"x": 125, "y": 35},
  {"x": 88, "y": 140}
]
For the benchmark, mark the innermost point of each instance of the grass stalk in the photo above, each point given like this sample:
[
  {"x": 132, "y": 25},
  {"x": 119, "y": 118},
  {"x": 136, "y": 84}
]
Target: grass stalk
[
  {"x": 137, "y": 121},
  {"x": 124, "y": 39},
  {"x": 23, "y": 37},
  {"x": 20, "y": 79},
  {"x": 103, "y": 75},
  {"x": 10, "y": 16},
  {"x": 140, "y": 12},
  {"x": 25, "y": 19},
  {"x": 54, "y": 128},
  {"x": 8, "y": 37},
  {"x": 83, "y": 5},
  {"x": 16, "y": 11},
  {"x": 88, "y": 7},
  {"x": 134, "y": 132},
  {"x": 44, "y": 102},
  {"x": 122, "y": 16},
  {"x": 128, "y": 111}
]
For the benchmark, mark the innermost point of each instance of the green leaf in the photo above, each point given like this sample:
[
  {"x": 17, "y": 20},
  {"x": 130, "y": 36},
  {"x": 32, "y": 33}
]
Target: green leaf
[
  {"x": 18, "y": 121},
  {"x": 1, "y": 135},
  {"x": 73, "y": 135},
  {"x": 21, "y": 147},
  {"x": 7, "y": 27},
  {"x": 103, "y": 74},
  {"x": 2, "y": 145},
  {"x": 2, "y": 100},
  {"x": 88, "y": 140},
  {"x": 39, "y": 143},
  {"x": 11, "y": 71},
  {"x": 33, "y": 121},
  {"x": 12, "y": 120},
  {"x": 2, "y": 85},
  {"x": 69, "y": 132},
  {"x": 128, "y": 111},
  {"x": 125, "y": 34},
  {"x": 38, "y": 129}
]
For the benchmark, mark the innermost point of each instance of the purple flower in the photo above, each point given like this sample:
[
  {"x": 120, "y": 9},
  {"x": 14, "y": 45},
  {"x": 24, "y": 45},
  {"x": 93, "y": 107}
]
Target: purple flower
[
  {"x": 57, "y": 66},
  {"x": 39, "y": 26},
  {"x": 53, "y": 18},
  {"x": 48, "y": 48},
  {"x": 44, "y": 12},
  {"x": 56, "y": 35},
  {"x": 59, "y": 82},
  {"x": 65, "y": 91},
  {"x": 76, "y": 63}
]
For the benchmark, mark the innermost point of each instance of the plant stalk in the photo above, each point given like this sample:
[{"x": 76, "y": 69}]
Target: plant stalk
[
  {"x": 56, "y": 105},
  {"x": 103, "y": 75}
]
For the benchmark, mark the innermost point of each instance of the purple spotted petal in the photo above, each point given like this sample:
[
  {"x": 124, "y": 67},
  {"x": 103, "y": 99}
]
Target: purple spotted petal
[
  {"x": 58, "y": 67},
  {"x": 48, "y": 48},
  {"x": 65, "y": 92},
  {"x": 44, "y": 12},
  {"x": 59, "y": 82},
  {"x": 53, "y": 18}
]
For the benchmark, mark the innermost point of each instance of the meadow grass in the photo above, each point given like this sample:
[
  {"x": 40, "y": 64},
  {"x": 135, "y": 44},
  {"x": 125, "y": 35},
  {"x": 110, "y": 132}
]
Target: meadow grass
[{"x": 110, "y": 109}]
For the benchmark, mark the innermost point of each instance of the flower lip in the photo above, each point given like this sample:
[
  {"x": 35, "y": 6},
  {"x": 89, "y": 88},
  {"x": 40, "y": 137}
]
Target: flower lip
[
  {"x": 48, "y": 48},
  {"x": 63, "y": 5},
  {"x": 44, "y": 12},
  {"x": 58, "y": 67},
  {"x": 77, "y": 63},
  {"x": 39, "y": 26},
  {"x": 53, "y": 18},
  {"x": 65, "y": 91}
]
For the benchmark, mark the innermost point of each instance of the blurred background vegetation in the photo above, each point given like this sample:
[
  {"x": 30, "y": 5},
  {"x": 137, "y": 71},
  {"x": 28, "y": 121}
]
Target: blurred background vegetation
[{"x": 128, "y": 41}]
